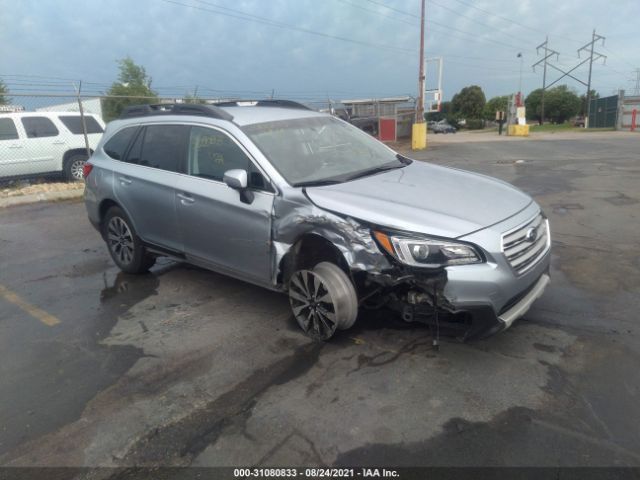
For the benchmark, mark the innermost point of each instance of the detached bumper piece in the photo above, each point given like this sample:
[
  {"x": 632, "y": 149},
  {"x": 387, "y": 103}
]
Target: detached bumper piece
[{"x": 523, "y": 305}]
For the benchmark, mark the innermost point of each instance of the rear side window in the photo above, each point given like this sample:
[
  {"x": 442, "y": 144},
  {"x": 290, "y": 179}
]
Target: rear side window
[
  {"x": 117, "y": 145},
  {"x": 37, "y": 127},
  {"x": 74, "y": 124},
  {"x": 8, "y": 129},
  {"x": 164, "y": 147}
]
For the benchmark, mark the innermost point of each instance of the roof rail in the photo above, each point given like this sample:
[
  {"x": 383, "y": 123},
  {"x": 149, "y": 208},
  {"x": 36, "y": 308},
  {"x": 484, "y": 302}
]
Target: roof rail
[
  {"x": 264, "y": 103},
  {"x": 176, "y": 109}
]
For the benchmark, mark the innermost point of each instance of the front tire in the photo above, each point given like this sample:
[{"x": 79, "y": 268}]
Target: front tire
[
  {"x": 73, "y": 167},
  {"x": 125, "y": 247},
  {"x": 323, "y": 300}
]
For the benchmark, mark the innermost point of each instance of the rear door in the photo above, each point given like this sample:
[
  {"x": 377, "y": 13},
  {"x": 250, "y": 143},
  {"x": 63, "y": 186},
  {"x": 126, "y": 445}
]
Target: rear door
[
  {"x": 218, "y": 228},
  {"x": 145, "y": 182},
  {"x": 73, "y": 123},
  {"x": 12, "y": 156},
  {"x": 44, "y": 146}
]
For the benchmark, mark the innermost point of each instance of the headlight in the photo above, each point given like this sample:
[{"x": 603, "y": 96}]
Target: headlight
[{"x": 427, "y": 252}]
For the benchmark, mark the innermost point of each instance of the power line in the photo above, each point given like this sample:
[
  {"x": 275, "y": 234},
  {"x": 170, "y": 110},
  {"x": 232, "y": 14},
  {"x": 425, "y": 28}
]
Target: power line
[
  {"x": 507, "y": 19},
  {"x": 403, "y": 12},
  {"x": 380, "y": 14},
  {"x": 455, "y": 12},
  {"x": 274, "y": 23},
  {"x": 444, "y": 28}
]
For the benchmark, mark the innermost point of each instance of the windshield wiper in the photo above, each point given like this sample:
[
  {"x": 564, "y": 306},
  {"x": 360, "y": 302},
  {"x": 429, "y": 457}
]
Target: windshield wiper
[
  {"x": 371, "y": 171},
  {"x": 317, "y": 183}
]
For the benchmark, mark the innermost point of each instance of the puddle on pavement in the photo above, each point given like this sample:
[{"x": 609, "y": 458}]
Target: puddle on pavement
[{"x": 71, "y": 366}]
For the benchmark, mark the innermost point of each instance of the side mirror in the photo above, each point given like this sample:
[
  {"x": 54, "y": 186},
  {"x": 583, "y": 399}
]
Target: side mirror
[{"x": 236, "y": 179}]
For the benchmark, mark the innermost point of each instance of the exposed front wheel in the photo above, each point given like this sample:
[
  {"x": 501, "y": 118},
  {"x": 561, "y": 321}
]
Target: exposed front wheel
[
  {"x": 73, "y": 167},
  {"x": 323, "y": 300},
  {"x": 124, "y": 246}
]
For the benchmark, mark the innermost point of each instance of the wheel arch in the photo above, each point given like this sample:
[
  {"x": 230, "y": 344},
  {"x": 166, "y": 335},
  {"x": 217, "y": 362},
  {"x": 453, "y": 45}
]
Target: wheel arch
[
  {"x": 308, "y": 250},
  {"x": 74, "y": 151},
  {"x": 104, "y": 207}
]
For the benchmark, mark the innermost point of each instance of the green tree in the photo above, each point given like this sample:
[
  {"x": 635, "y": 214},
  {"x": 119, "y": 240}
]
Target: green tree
[
  {"x": 560, "y": 104},
  {"x": 133, "y": 83},
  {"x": 469, "y": 102},
  {"x": 4, "y": 91},
  {"x": 494, "y": 105},
  {"x": 533, "y": 104},
  {"x": 193, "y": 98},
  {"x": 583, "y": 101}
]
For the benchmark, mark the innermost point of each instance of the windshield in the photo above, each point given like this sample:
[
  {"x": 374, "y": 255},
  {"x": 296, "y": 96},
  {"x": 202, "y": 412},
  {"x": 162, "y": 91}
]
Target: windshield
[{"x": 320, "y": 150}]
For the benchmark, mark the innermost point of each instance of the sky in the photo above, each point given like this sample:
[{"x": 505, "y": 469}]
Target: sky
[{"x": 311, "y": 50}]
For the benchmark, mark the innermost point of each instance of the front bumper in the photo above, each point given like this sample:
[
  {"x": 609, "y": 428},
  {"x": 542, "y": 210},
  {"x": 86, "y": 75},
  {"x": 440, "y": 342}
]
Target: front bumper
[
  {"x": 493, "y": 293},
  {"x": 477, "y": 300}
]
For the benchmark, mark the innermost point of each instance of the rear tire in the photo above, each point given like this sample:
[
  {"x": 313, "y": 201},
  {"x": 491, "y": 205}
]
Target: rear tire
[
  {"x": 125, "y": 247},
  {"x": 323, "y": 300},
  {"x": 73, "y": 167}
]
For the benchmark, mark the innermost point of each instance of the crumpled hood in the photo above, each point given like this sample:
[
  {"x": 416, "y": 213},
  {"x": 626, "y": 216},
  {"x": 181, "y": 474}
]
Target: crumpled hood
[{"x": 424, "y": 198}]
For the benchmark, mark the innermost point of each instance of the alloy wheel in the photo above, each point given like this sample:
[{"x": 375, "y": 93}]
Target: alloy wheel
[
  {"x": 312, "y": 304},
  {"x": 120, "y": 240},
  {"x": 76, "y": 169}
]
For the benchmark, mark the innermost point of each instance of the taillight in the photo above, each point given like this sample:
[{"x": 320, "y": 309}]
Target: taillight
[{"x": 86, "y": 169}]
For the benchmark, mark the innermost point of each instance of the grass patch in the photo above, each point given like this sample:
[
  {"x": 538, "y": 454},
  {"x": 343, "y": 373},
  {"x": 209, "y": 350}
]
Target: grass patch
[
  {"x": 551, "y": 128},
  {"x": 565, "y": 127}
]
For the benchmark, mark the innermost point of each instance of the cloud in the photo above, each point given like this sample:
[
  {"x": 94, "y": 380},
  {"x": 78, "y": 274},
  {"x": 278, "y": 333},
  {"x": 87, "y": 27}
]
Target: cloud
[{"x": 182, "y": 47}]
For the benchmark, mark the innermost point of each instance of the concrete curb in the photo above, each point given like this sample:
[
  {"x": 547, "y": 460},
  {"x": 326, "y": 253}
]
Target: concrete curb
[{"x": 41, "y": 197}]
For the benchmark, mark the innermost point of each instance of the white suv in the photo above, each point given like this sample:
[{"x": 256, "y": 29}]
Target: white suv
[{"x": 38, "y": 143}]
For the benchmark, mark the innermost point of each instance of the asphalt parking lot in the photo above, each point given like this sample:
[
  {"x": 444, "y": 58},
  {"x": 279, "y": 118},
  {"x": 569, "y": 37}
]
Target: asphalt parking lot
[{"x": 187, "y": 367}]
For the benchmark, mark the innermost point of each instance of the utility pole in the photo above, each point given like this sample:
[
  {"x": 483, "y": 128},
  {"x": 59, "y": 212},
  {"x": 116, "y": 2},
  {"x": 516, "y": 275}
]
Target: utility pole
[
  {"x": 421, "y": 76},
  {"x": 82, "y": 120},
  {"x": 419, "y": 129},
  {"x": 548, "y": 52},
  {"x": 594, "y": 39},
  {"x": 636, "y": 90}
]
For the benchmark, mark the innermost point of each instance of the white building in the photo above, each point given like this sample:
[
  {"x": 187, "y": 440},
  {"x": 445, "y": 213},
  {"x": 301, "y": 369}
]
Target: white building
[{"x": 90, "y": 105}]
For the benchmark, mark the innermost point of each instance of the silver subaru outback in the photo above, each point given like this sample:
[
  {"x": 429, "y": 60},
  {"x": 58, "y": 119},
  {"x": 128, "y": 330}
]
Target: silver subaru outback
[{"x": 301, "y": 202}]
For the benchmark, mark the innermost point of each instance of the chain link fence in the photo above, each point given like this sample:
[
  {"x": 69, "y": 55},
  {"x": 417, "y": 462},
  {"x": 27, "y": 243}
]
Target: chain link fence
[{"x": 49, "y": 136}]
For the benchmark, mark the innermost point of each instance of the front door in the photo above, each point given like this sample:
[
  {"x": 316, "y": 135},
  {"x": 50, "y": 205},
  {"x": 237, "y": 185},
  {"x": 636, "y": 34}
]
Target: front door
[
  {"x": 218, "y": 228},
  {"x": 12, "y": 157}
]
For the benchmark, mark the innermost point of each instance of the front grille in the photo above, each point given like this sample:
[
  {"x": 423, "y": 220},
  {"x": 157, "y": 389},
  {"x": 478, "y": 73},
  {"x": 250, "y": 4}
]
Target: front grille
[{"x": 527, "y": 244}]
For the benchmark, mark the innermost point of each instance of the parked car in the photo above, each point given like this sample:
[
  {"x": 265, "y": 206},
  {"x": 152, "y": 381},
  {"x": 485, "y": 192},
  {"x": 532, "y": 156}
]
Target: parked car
[
  {"x": 579, "y": 121},
  {"x": 443, "y": 127},
  {"x": 304, "y": 203},
  {"x": 37, "y": 143},
  {"x": 367, "y": 124}
]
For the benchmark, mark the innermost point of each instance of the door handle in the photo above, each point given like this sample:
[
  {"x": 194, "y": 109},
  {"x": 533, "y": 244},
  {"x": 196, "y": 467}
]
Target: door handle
[
  {"x": 58, "y": 143},
  {"x": 186, "y": 198},
  {"x": 15, "y": 146},
  {"x": 125, "y": 180}
]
